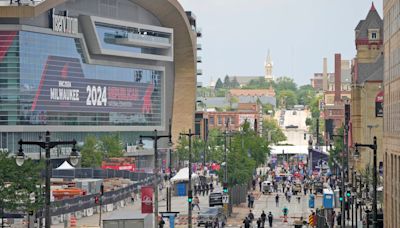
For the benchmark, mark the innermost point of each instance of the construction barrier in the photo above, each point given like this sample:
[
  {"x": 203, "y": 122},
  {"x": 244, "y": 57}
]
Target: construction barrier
[
  {"x": 311, "y": 220},
  {"x": 72, "y": 221}
]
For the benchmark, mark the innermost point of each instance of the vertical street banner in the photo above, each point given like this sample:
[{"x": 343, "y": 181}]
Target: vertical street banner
[
  {"x": 147, "y": 199},
  {"x": 379, "y": 104}
]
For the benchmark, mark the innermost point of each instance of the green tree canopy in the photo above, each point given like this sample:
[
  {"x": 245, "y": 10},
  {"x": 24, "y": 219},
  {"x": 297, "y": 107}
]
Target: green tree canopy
[
  {"x": 219, "y": 84},
  {"x": 305, "y": 94},
  {"x": 235, "y": 83},
  {"x": 19, "y": 189},
  {"x": 227, "y": 82},
  {"x": 272, "y": 131},
  {"x": 259, "y": 83},
  {"x": 91, "y": 156},
  {"x": 284, "y": 83},
  {"x": 95, "y": 150},
  {"x": 287, "y": 98}
]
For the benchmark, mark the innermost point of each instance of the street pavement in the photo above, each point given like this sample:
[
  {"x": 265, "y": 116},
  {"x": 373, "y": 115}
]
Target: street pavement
[{"x": 267, "y": 203}]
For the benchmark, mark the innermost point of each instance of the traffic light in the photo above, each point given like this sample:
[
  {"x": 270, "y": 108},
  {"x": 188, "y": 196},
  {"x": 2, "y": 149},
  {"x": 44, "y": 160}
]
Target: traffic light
[
  {"x": 190, "y": 196},
  {"x": 96, "y": 200},
  {"x": 305, "y": 136},
  {"x": 348, "y": 193},
  {"x": 340, "y": 195},
  {"x": 225, "y": 188},
  {"x": 341, "y": 199}
]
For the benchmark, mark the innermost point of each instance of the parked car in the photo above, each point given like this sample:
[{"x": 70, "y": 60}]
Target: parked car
[
  {"x": 208, "y": 215},
  {"x": 215, "y": 199}
]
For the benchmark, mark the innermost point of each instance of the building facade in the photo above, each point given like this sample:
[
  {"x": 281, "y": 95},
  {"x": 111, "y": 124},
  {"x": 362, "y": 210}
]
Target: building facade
[
  {"x": 391, "y": 111},
  {"x": 338, "y": 93},
  {"x": 95, "y": 67},
  {"x": 367, "y": 89}
]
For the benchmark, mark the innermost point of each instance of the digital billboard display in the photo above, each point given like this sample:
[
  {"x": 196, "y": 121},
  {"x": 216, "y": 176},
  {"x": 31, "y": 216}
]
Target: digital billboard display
[{"x": 63, "y": 87}]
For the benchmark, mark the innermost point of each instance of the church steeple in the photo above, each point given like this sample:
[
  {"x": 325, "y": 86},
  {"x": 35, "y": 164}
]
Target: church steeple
[{"x": 268, "y": 65}]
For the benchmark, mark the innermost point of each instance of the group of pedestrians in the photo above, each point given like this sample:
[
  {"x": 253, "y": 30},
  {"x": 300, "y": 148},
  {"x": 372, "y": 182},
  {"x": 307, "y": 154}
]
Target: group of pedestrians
[
  {"x": 203, "y": 188},
  {"x": 248, "y": 221}
]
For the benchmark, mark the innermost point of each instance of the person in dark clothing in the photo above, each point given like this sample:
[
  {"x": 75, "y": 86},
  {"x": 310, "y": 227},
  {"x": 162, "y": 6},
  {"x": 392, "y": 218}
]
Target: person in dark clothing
[
  {"x": 259, "y": 183},
  {"x": 207, "y": 189},
  {"x": 251, "y": 216},
  {"x": 211, "y": 187},
  {"x": 270, "y": 219},
  {"x": 203, "y": 189},
  {"x": 246, "y": 223},
  {"x": 248, "y": 200},
  {"x": 339, "y": 219},
  {"x": 254, "y": 184},
  {"x": 277, "y": 200},
  {"x": 161, "y": 223},
  {"x": 263, "y": 218},
  {"x": 259, "y": 223}
]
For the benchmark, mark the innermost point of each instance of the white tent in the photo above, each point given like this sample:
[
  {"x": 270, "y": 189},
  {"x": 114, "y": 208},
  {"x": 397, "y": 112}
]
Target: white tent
[
  {"x": 183, "y": 175},
  {"x": 65, "y": 166}
]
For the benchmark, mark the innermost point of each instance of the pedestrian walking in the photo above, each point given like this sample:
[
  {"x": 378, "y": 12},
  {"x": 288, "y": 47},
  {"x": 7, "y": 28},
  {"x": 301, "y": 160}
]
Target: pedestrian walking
[
  {"x": 196, "y": 187},
  {"x": 259, "y": 183},
  {"x": 251, "y": 200},
  {"x": 161, "y": 223},
  {"x": 248, "y": 200},
  {"x": 203, "y": 189},
  {"x": 298, "y": 199},
  {"x": 196, "y": 202},
  {"x": 207, "y": 188},
  {"x": 211, "y": 187},
  {"x": 251, "y": 216},
  {"x": 339, "y": 219},
  {"x": 246, "y": 222},
  {"x": 263, "y": 218},
  {"x": 254, "y": 184},
  {"x": 259, "y": 223},
  {"x": 277, "y": 200},
  {"x": 270, "y": 219}
]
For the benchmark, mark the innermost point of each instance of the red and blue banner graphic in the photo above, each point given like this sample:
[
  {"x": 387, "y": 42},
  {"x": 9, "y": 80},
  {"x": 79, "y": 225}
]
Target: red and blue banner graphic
[
  {"x": 147, "y": 199},
  {"x": 64, "y": 88}
]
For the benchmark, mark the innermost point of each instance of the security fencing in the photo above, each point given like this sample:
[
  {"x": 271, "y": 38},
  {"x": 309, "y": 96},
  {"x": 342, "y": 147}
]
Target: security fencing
[{"x": 88, "y": 201}]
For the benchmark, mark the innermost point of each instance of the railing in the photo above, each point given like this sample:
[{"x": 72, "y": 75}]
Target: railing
[{"x": 88, "y": 201}]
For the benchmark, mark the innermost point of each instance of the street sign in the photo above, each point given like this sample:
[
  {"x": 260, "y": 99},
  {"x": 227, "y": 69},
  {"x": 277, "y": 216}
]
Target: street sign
[{"x": 225, "y": 199}]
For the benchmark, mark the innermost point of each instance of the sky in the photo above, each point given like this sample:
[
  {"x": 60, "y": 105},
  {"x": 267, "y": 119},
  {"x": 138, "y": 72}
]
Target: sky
[{"x": 237, "y": 35}]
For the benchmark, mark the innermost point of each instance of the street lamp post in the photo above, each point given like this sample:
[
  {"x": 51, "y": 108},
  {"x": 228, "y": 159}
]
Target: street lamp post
[
  {"x": 155, "y": 139},
  {"x": 190, "y": 134},
  {"x": 374, "y": 147},
  {"x": 47, "y": 145}
]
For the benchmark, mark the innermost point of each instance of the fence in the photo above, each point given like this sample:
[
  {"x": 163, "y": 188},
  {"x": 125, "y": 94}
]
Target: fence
[{"x": 88, "y": 201}]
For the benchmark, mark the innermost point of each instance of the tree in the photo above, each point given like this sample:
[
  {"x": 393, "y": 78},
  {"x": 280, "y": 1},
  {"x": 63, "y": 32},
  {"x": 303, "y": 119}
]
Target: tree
[
  {"x": 284, "y": 83},
  {"x": 337, "y": 148},
  {"x": 271, "y": 129},
  {"x": 259, "y": 83},
  {"x": 91, "y": 156},
  {"x": 19, "y": 189},
  {"x": 227, "y": 82},
  {"x": 235, "y": 83},
  {"x": 219, "y": 84},
  {"x": 287, "y": 98},
  {"x": 305, "y": 94},
  {"x": 111, "y": 146}
]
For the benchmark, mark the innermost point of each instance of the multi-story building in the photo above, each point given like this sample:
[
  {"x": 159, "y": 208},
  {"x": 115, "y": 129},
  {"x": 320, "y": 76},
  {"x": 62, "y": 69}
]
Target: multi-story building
[
  {"x": 95, "y": 67},
  {"x": 391, "y": 113},
  {"x": 367, "y": 90},
  {"x": 336, "y": 95}
]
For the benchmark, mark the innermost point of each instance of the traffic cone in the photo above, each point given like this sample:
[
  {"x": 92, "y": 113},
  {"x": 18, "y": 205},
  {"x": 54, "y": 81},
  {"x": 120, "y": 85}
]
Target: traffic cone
[{"x": 72, "y": 221}]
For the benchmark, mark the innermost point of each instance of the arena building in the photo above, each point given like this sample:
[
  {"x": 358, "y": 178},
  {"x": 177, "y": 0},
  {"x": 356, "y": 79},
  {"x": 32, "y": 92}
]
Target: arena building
[{"x": 80, "y": 67}]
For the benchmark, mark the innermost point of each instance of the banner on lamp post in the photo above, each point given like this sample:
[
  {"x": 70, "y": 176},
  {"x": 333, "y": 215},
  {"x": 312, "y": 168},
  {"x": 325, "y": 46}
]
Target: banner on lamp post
[{"x": 147, "y": 199}]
